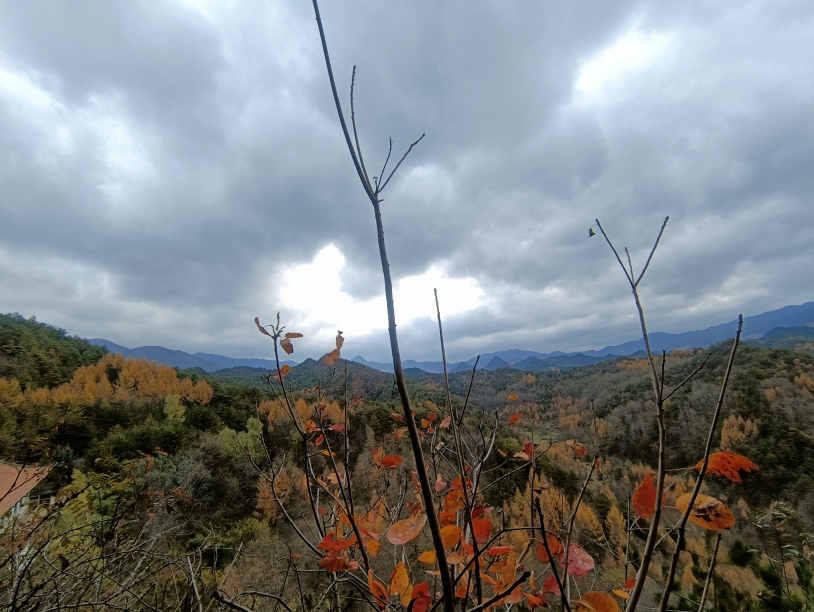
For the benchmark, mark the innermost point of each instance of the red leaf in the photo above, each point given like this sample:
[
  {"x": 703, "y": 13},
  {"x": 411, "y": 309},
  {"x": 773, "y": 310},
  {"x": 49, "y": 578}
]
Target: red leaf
[
  {"x": 319, "y": 440},
  {"x": 397, "y": 417},
  {"x": 728, "y": 465},
  {"x": 514, "y": 418},
  {"x": 329, "y": 543},
  {"x": 630, "y": 583},
  {"x": 260, "y": 327},
  {"x": 550, "y": 586},
  {"x": 644, "y": 498},
  {"x": 499, "y": 550},
  {"x": 287, "y": 346},
  {"x": 337, "y": 427},
  {"x": 421, "y": 599},
  {"x": 513, "y": 397},
  {"x": 391, "y": 462},
  {"x": 577, "y": 447},
  {"x": 579, "y": 562},
  {"x": 482, "y": 529}
]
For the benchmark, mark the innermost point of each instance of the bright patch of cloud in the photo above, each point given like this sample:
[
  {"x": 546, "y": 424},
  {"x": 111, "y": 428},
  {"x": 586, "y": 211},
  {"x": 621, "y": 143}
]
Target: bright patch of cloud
[
  {"x": 314, "y": 291},
  {"x": 632, "y": 53}
]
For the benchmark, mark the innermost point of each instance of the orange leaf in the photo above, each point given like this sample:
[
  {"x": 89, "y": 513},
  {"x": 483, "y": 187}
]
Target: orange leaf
[
  {"x": 336, "y": 563},
  {"x": 454, "y": 501},
  {"x": 482, "y": 529},
  {"x": 293, "y": 335},
  {"x": 577, "y": 447},
  {"x": 534, "y": 601},
  {"x": 447, "y": 516},
  {"x": 284, "y": 370},
  {"x": 331, "y": 358},
  {"x": 644, "y": 498},
  {"x": 337, "y": 427},
  {"x": 397, "y": 435},
  {"x": 514, "y": 418},
  {"x": 372, "y": 547},
  {"x": 287, "y": 346},
  {"x": 399, "y": 580},
  {"x": 621, "y": 594},
  {"x": 596, "y": 601},
  {"x": 377, "y": 589},
  {"x": 310, "y": 427},
  {"x": 513, "y": 397},
  {"x": 391, "y": 462},
  {"x": 454, "y": 558},
  {"x": 450, "y": 535},
  {"x": 707, "y": 511},
  {"x": 499, "y": 550},
  {"x": 339, "y": 340},
  {"x": 553, "y": 545},
  {"x": 405, "y": 530},
  {"x": 728, "y": 465},
  {"x": 446, "y": 421},
  {"x": 378, "y": 455},
  {"x": 329, "y": 543},
  {"x": 319, "y": 440},
  {"x": 428, "y": 557},
  {"x": 396, "y": 417},
  {"x": 260, "y": 327}
]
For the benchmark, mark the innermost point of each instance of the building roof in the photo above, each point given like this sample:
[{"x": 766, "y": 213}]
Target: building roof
[{"x": 16, "y": 482}]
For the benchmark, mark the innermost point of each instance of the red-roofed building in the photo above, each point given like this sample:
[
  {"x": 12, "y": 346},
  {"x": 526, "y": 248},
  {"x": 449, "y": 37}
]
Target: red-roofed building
[{"x": 16, "y": 482}]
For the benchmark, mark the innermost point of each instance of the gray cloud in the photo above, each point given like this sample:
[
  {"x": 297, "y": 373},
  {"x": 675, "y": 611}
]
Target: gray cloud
[{"x": 163, "y": 166}]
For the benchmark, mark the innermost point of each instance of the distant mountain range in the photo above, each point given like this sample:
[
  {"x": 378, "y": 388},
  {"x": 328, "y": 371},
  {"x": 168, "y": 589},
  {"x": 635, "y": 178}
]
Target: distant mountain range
[
  {"x": 208, "y": 362},
  {"x": 760, "y": 328},
  {"x": 753, "y": 328}
]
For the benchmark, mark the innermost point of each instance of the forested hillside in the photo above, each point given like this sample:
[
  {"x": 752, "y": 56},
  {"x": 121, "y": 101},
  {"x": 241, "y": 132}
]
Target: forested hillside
[{"x": 194, "y": 489}]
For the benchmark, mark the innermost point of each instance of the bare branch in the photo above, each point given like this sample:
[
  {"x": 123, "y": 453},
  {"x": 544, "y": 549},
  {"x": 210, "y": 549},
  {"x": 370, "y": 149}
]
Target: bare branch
[
  {"x": 403, "y": 157},
  {"x": 355, "y": 134},
  {"x": 653, "y": 250},
  {"x": 709, "y": 573}
]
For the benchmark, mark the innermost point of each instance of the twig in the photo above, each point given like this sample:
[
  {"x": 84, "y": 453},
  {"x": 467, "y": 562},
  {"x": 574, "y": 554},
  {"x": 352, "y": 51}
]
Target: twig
[
  {"x": 709, "y": 573},
  {"x": 403, "y": 157},
  {"x": 502, "y": 594},
  {"x": 566, "y": 606},
  {"x": 574, "y": 518}
]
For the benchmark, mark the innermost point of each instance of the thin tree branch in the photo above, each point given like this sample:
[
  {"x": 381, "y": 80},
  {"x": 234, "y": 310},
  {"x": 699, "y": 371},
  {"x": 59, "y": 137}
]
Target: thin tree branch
[
  {"x": 668, "y": 585},
  {"x": 403, "y": 157},
  {"x": 566, "y": 606},
  {"x": 355, "y": 134},
  {"x": 686, "y": 380},
  {"x": 710, "y": 572},
  {"x": 653, "y": 250}
]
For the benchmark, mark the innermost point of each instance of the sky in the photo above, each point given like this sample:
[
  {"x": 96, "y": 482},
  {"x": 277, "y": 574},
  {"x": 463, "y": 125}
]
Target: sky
[{"x": 170, "y": 170}]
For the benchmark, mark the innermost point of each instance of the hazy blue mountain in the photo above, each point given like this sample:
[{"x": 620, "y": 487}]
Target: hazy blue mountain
[
  {"x": 495, "y": 363},
  {"x": 754, "y": 328},
  {"x": 179, "y": 359}
]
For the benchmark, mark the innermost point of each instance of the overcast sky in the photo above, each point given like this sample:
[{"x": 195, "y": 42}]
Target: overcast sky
[{"x": 170, "y": 170}]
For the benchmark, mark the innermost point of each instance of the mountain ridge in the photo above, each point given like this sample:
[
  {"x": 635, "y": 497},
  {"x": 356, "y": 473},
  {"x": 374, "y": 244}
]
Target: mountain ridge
[{"x": 755, "y": 327}]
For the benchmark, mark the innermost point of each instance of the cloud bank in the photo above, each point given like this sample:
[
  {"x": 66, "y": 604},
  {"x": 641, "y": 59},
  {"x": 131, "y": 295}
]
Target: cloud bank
[{"x": 171, "y": 170}]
